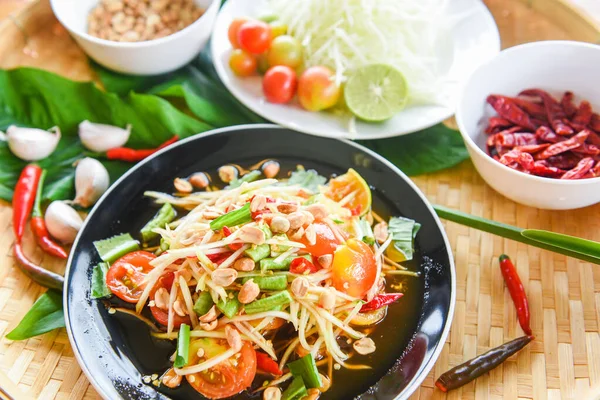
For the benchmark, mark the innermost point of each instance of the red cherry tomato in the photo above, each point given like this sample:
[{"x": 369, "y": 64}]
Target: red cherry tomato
[
  {"x": 254, "y": 37},
  {"x": 279, "y": 84},
  {"x": 326, "y": 241},
  {"x": 234, "y": 27},
  {"x": 242, "y": 63},
  {"x": 354, "y": 268},
  {"x": 124, "y": 278},
  {"x": 224, "y": 379},
  {"x": 317, "y": 89}
]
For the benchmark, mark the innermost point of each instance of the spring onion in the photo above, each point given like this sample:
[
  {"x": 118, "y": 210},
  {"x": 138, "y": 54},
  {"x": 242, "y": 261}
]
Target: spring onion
[
  {"x": 295, "y": 391},
  {"x": 165, "y": 215},
  {"x": 269, "y": 303},
  {"x": 306, "y": 368},
  {"x": 233, "y": 218},
  {"x": 99, "y": 287},
  {"x": 115, "y": 247},
  {"x": 183, "y": 346}
]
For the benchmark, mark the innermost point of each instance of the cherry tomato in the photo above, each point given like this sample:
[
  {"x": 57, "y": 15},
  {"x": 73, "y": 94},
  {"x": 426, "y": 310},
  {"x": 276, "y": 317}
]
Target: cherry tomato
[
  {"x": 162, "y": 316},
  {"x": 234, "y": 27},
  {"x": 254, "y": 37},
  {"x": 285, "y": 50},
  {"x": 326, "y": 241},
  {"x": 242, "y": 63},
  {"x": 279, "y": 84},
  {"x": 224, "y": 379},
  {"x": 317, "y": 89},
  {"x": 354, "y": 268},
  {"x": 125, "y": 276},
  {"x": 301, "y": 265}
]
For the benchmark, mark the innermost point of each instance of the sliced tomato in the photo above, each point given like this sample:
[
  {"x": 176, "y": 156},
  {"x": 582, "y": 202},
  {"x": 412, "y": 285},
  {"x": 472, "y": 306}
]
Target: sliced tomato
[
  {"x": 232, "y": 246},
  {"x": 125, "y": 276},
  {"x": 301, "y": 265},
  {"x": 265, "y": 363},
  {"x": 354, "y": 268},
  {"x": 227, "y": 378},
  {"x": 218, "y": 258},
  {"x": 326, "y": 241},
  {"x": 162, "y": 316}
]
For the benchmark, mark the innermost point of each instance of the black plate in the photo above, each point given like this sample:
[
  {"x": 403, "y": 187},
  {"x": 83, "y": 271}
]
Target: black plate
[{"x": 116, "y": 352}]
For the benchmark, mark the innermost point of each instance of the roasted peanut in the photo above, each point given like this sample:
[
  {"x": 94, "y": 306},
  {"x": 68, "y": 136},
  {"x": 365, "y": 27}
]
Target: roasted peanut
[
  {"x": 224, "y": 276},
  {"x": 280, "y": 224},
  {"x": 380, "y": 231},
  {"x": 199, "y": 180},
  {"x": 183, "y": 186},
  {"x": 248, "y": 292},
  {"x": 244, "y": 264},
  {"x": 300, "y": 287},
  {"x": 170, "y": 379},
  {"x": 364, "y": 346}
]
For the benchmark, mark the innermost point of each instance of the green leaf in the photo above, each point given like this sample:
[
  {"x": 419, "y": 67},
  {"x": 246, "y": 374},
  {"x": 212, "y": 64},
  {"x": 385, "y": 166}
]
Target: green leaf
[
  {"x": 403, "y": 231},
  {"x": 99, "y": 287},
  {"x": 430, "y": 150},
  {"x": 308, "y": 179},
  {"x": 45, "y": 315}
]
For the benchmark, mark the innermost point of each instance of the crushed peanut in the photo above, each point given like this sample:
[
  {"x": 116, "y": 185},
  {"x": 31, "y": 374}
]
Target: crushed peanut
[{"x": 141, "y": 20}]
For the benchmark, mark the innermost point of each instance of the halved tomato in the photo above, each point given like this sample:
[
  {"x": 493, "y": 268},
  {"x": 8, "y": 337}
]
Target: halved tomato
[
  {"x": 125, "y": 276},
  {"x": 326, "y": 241},
  {"x": 162, "y": 316},
  {"x": 227, "y": 378},
  {"x": 354, "y": 268}
]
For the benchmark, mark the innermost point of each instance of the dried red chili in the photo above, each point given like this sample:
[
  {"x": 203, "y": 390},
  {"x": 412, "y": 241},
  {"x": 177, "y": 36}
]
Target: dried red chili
[
  {"x": 517, "y": 292},
  {"x": 561, "y": 147},
  {"x": 496, "y": 124},
  {"x": 567, "y": 104},
  {"x": 380, "y": 300},
  {"x": 554, "y": 112},
  {"x": 583, "y": 116},
  {"x": 507, "y": 109},
  {"x": 582, "y": 168},
  {"x": 525, "y": 160},
  {"x": 134, "y": 155}
]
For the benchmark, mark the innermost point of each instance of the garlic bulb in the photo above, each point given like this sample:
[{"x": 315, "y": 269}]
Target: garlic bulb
[
  {"x": 91, "y": 181},
  {"x": 101, "y": 137},
  {"x": 31, "y": 144},
  {"x": 62, "y": 221}
]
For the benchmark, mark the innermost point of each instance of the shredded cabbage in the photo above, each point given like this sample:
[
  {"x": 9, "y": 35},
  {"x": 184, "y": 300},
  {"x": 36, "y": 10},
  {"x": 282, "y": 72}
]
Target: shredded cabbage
[{"x": 347, "y": 34}]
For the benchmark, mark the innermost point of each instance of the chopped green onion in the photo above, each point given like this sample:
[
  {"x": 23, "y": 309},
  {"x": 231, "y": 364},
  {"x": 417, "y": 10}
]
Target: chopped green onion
[
  {"x": 403, "y": 231},
  {"x": 249, "y": 177},
  {"x": 268, "y": 303},
  {"x": 165, "y": 215},
  {"x": 268, "y": 264},
  {"x": 257, "y": 253},
  {"x": 183, "y": 346},
  {"x": 306, "y": 368},
  {"x": 295, "y": 391},
  {"x": 273, "y": 282},
  {"x": 203, "y": 304},
  {"x": 232, "y": 218},
  {"x": 231, "y": 306},
  {"x": 115, "y": 247},
  {"x": 99, "y": 287}
]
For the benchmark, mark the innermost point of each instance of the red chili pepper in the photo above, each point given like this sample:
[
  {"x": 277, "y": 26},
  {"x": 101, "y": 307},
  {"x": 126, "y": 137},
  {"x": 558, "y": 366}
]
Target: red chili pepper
[
  {"x": 532, "y": 148},
  {"x": 541, "y": 169},
  {"x": 232, "y": 246},
  {"x": 24, "y": 197},
  {"x": 301, "y": 265},
  {"x": 509, "y": 139},
  {"x": 582, "y": 168},
  {"x": 517, "y": 292},
  {"x": 525, "y": 160},
  {"x": 567, "y": 104},
  {"x": 38, "y": 225},
  {"x": 583, "y": 116},
  {"x": 380, "y": 300},
  {"x": 561, "y": 147},
  {"x": 218, "y": 258},
  {"x": 554, "y": 111},
  {"x": 35, "y": 272},
  {"x": 595, "y": 122},
  {"x": 135, "y": 155},
  {"x": 356, "y": 210},
  {"x": 587, "y": 149},
  {"x": 265, "y": 363},
  {"x": 497, "y": 124},
  {"x": 564, "y": 161},
  {"x": 507, "y": 108},
  {"x": 535, "y": 110},
  {"x": 547, "y": 135}
]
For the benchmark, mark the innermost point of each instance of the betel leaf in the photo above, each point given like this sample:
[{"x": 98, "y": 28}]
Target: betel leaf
[
  {"x": 430, "y": 150},
  {"x": 45, "y": 315},
  {"x": 308, "y": 179},
  {"x": 403, "y": 231},
  {"x": 99, "y": 287}
]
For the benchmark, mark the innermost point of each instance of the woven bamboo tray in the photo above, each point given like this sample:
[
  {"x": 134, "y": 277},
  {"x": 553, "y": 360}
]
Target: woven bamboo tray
[{"x": 562, "y": 363}]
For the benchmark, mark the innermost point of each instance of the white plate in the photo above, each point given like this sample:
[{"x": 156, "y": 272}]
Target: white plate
[{"x": 474, "y": 40}]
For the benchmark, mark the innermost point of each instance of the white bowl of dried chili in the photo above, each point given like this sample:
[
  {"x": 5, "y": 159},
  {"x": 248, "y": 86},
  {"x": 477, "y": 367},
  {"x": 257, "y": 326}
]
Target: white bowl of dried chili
[{"x": 555, "y": 67}]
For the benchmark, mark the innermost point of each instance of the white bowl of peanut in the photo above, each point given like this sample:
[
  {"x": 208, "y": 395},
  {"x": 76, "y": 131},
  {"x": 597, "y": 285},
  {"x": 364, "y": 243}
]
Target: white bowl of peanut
[{"x": 140, "y": 37}]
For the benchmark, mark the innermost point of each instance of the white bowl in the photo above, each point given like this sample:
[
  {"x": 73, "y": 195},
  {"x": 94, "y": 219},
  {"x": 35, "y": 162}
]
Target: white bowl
[
  {"x": 555, "y": 66},
  {"x": 139, "y": 58}
]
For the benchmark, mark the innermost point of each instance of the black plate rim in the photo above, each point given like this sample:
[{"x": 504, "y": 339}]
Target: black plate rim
[{"x": 416, "y": 381}]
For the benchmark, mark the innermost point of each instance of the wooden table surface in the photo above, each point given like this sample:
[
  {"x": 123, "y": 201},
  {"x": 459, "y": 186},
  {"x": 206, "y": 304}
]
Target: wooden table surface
[{"x": 562, "y": 363}]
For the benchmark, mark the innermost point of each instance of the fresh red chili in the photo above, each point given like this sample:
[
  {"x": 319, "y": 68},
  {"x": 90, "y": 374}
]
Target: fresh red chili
[
  {"x": 507, "y": 109},
  {"x": 38, "y": 225},
  {"x": 554, "y": 112},
  {"x": 301, "y": 265},
  {"x": 37, "y": 273},
  {"x": 135, "y": 155},
  {"x": 472, "y": 369},
  {"x": 517, "y": 292},
  {"x": 265, "y": 363},
  {"x": 24, "y": 197},
  {"x": 380, "y": 300},
  {"x": 232, "y": 246}
]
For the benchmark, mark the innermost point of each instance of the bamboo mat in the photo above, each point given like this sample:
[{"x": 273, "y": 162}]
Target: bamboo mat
[{"x": 562, "y": 363}]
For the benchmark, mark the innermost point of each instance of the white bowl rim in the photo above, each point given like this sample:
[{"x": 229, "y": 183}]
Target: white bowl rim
[
  {"x": 471, "y": 143},
  {"x": 145, "y": 43}
]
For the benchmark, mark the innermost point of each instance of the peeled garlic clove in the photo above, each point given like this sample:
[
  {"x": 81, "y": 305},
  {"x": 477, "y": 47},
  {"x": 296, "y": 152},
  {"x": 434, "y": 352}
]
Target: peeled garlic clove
[
  {"x": 31, "y": 144},
  {"x": 62, "y": 221},
  {"x": 101, "y": 137},
  {"x": 91, "y": 181}
]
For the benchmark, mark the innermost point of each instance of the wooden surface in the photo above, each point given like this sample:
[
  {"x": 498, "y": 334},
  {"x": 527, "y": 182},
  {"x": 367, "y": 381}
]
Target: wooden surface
[{"x": 562, "y": 363}]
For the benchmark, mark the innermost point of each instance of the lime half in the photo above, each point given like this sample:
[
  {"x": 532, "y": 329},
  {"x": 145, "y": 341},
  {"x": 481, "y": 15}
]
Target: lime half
[{"x": 376, "y": 92}]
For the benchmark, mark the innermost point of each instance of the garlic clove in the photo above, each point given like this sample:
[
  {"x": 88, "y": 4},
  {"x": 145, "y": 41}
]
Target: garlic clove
[
  {"x": 31, "y": 144},
  {"x": 91, "y": 181},
  {"x": 62, "y": 221},
  {"x": 102, "y": 137}
]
